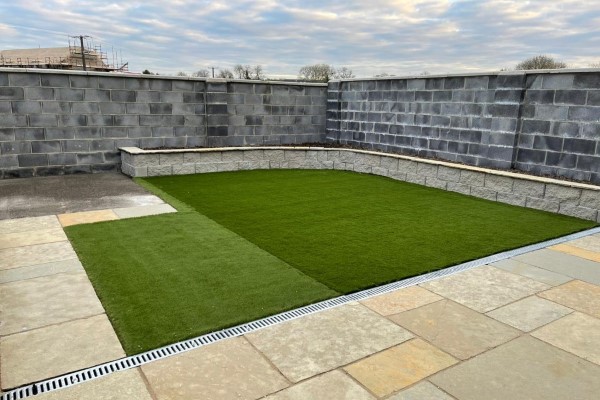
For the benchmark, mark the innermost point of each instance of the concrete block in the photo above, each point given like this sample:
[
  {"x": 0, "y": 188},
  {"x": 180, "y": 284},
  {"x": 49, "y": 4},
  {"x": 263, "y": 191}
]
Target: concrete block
[
  {"x": 472, "y": 178},
  {"x": 202, "y": 168},
  {"x": 425, "y": 169},
  {"x": 415, "y": 178},
  {"x": 499, "y": 183},
  {"x": 24, "y": 79},
  {"x": 484, "y": 193},
  {"x": 184, "y": 169},
  {"x": 227, "y": 166},
  {"x": 435, "y": 182},
  {"x": 160, "y": 170},
  {"x": 590, "y": 199},
  {"x": 542, "y": 204},
  {"x": 170, "y": 158},
  {"x": 448, "y": 174},
  {"x": 578, "y": 212},
  {"x": 524, "y": 187},
  {"x": 46, "y": 146},
  {"x": 146, "y": 160},
  {"x": 580, "y": 113},
  {"x": 389, "y": 163},
  {"x": 458, "y": 187},
  {"x": 54, "y": 80},
  {"x": 362, "y": 168},
  {"x": 557, "y": 81},
  {"x": 11, "y": 93},
  {"x": 15, "y": 147},
  {"x": 380, "y": 171},
  {"x": 511, "y": 198},
  {"x": 126, "y": 96},
  {"x": 586, "y": 81},
  {"x": 43, "y": 120},
  {"x": 232, "y": 156},
  {"x": 275, "y": 155},
  {"x": 32, "y": 160},
  {"x": 82, "y": 81},
  {"x": 370, "y": 160},
  {"x": 570, "y": 97},
  {"x": 562, "y": 193},
  {"x": 407, "y": 167}
]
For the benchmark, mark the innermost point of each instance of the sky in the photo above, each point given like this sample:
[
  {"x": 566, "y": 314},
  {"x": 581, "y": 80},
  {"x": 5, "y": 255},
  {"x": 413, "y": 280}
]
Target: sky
[{"x": 370, "y": 37}]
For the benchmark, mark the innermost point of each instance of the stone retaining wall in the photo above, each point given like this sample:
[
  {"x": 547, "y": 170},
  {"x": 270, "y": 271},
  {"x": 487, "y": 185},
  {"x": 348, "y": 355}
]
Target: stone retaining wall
[{"x": 570, "y": 198}]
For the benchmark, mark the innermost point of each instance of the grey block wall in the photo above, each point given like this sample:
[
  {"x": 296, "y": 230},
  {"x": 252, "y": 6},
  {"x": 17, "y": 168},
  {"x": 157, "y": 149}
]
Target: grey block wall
[
  {"x": 61, "y": 122},
  {"x": 544, "y": 123}
]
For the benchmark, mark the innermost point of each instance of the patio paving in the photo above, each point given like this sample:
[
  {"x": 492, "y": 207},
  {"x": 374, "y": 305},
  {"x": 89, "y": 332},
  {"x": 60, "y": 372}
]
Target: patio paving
[{"x": 523, "y": 328}]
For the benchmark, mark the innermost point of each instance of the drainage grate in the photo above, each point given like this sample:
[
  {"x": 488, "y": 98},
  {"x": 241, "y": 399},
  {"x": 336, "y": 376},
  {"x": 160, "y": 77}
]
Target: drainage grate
[{"x": 98, "y": 371}]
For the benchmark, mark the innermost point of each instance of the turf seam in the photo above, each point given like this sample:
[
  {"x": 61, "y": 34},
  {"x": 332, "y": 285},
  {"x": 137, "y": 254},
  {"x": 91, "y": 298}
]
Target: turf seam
[{"x": 74, "y": 378}]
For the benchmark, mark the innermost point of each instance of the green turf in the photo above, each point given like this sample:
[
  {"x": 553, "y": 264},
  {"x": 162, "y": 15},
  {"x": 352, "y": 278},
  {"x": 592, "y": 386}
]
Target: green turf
[
  {"x": 167, "y": 278},
  {"x": 352, "y": 231},
  {"x": 245, "y": 245}
]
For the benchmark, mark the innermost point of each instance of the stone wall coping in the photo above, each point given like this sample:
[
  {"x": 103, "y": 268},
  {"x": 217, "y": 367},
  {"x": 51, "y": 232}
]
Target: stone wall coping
[
  {"x": 163, "y": 77},
  {"x": 516, "y": 175},
  {"x": 470, "y": 74}
]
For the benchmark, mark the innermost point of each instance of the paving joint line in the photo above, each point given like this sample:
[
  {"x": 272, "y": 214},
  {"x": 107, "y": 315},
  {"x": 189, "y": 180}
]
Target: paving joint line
[{"x": 91, "y": 373}]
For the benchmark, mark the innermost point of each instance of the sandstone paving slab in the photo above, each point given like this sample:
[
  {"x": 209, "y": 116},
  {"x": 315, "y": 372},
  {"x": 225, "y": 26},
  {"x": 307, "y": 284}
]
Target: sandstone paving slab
[
  {"x": 143, "y": 211},
  {"x": 421, "y": 391},
  {"x": 400, "y": 366},
  {"x": 577, "y": 333},
  {"x": 326, "y": 340},
  {"x": 123, "y": 385},
  {"x": 456, "y": 329},
  {"x": 485, "y": 288},
  {"x": 591, "y": 243},
  {"x": 530, "y": 271},
  {"x": 523, "y": 369},
  {"x": 86, "y": 217},
  {"x": 36, "y": 271},
  {"x": 47, "y": 300},
  {"x": 230, "y": 369},
  {"x": 16, "y": 257},
  {"x": 529, "y": 313},
  {"x": 577, "y": 251},
  {"x": 54, "y": 350},
  {"x": 18, "y": 239},
  {"x": 28, "y": 224},
  {"x": 578, "y": 295},
  {"x": 334, "y": 385},
  {"x": 562, "y": 263},
  {"x": 401, "y": 300}
]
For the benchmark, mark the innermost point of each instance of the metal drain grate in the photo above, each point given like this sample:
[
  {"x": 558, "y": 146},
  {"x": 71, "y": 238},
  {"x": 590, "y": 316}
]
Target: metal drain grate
[{"x": 98, "y": 371}]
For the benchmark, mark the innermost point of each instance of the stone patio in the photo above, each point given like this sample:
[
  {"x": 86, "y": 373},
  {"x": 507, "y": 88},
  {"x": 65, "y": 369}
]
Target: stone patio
[{"x": 521, "y": 328}]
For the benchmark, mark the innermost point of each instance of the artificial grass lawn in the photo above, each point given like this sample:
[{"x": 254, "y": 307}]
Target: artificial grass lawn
[
  {"x": 249, "y": 244},
  {"x": 352, "y": 231}
]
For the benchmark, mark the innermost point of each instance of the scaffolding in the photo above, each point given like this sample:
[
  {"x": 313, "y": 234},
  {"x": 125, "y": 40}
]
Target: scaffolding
[{"x": 66, "y": 58}]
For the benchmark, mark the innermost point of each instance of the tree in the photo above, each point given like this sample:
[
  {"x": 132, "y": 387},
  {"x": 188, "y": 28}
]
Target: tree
[
  {"x": 181, "y": 73},
  {"x": 202, "y": 73},
  {"x": 316, "y": 72},
  {"x": 147, "y": 72},
  {"x": 595, "y": 65},
  {"x": 225, "y": 74},
  {"x": 248, "y": 71},
  {"x": 540, "y": 62},
  {"x": 323, "y": 73}
]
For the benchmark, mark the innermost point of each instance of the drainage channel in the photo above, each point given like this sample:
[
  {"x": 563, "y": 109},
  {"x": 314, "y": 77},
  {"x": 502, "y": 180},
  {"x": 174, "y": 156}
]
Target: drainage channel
[{"x": 88, "y": 374}]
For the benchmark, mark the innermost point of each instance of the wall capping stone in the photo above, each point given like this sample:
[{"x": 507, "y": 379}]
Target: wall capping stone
[{"x": 547, "y": 194}]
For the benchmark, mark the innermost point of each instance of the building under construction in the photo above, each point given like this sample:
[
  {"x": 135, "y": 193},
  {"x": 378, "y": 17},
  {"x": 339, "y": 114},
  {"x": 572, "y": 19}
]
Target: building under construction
[{"x": 78, "y": 54}]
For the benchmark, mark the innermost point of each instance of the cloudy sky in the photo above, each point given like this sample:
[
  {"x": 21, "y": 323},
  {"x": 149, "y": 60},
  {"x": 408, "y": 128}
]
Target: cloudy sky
[{"x": 371, "y": 37}]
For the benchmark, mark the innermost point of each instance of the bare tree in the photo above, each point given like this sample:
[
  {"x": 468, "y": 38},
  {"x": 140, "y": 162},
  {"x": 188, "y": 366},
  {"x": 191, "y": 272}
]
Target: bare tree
[
  {"x": 202, "y": 73},
  {"x": 540, "y": 62},
  {"x": 343, "y": 73},
  {"x": 248, "y": 71},
  {"x": 316, "y": 72},
  {"x": 595, "y": 65},
  {"x": 259, "y": 74},
  {"x": 383, "y": 75},
  {"x": 225, "y": 73},
  {"x": 181, "y": 73}
]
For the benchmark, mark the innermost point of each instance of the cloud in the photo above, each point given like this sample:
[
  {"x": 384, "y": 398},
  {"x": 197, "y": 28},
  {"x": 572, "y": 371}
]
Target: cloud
[{"x": 392, "y": 36}]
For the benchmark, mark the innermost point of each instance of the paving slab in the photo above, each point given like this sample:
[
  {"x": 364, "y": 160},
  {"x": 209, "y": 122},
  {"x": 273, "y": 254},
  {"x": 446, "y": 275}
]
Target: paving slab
[
  {"x": 16, "y": 257},
  {"x": 54, "y": 350},
  {"x": 485, "y": 288},
  {"x": 86, "y": 217},
  {"x": 36, "y": 271},
  {"x": 326, "y": 340},
  {"x": 523, "y": 369},
  {"x": 562, "y": 263},
  {"x": 577, "y": 251},
  {"x": 590, "y": 242},
  {"x": 396, "y": 368},
  {"x": 578, "y": 295},
  {"x": 530, "y": 313},
  {"x": 530, "y": 271},
  {"x": 28, "y": 224},
  {"x": 143, "y": 211},
  {"x": 123, "y": 385},
  {"x": 230, "y": 369},
  {"x": 31, "y": 197},
  {"x": 47, "y": 300},
  {"x": 401, "y": 300},
  {"x": 39, "y": 236},
  {"x": 577, "y": 333},
  {"x": 456, "y": 329},
  {"x": 421, "y": 391},
  {"x": 334, "y": 385}
]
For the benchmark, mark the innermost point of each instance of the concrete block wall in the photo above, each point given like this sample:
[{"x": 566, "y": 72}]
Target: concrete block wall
[
  {"x": 545, "y": 123},
  {"x": 563, "y": 197},
  {"x": 242, "y": 113},
  {"x": 54, "y": 123},
  {"x": 62, "y": 122}
]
